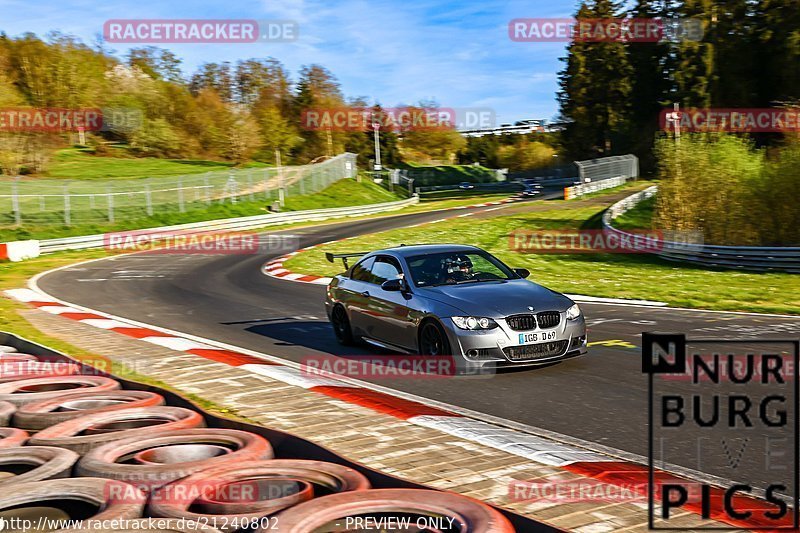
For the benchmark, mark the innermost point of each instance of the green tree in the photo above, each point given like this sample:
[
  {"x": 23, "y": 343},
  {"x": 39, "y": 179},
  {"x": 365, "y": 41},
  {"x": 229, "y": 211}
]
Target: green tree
[
  {"x": 317, "y": 88},
  {"x": 430, "y": 141},
  {"x": 157, "y": 63},
  {"x": 694, "y": 69},
  {"x": 481, "y": 150},
  {"x": 525, "y": 155},
  {"x": 595, "y": 88},
  {"x": 651, "y": 85},
  {"x": 777, "y": 36},
  {"x": 216, "y": 76}
]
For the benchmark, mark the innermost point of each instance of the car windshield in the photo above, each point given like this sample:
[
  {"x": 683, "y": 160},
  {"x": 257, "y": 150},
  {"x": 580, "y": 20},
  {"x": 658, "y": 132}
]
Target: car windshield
[{"x": 454, "y": 268}]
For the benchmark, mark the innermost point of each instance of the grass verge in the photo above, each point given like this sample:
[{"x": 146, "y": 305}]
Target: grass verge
[
  {"x": 606, "y": 275},
  {"x": 639, "y": 216},
  {"x": 82, "y": 164}
]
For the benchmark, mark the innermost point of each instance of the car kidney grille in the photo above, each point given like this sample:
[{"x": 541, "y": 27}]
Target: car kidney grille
[
  {"x": 548, "y": 319},
  {"x": 521, "y": 322},
  {"x": 535, "y": 351}
]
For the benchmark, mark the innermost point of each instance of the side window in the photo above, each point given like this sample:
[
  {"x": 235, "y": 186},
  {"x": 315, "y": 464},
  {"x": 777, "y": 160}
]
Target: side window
[
  {"x": 361, "y": 272},
  {"x": 384, "y": 269}
]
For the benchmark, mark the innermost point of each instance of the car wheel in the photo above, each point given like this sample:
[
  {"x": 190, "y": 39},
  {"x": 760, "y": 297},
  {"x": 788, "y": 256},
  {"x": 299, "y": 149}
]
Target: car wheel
[
  {"x": 341, "y": 326},
  {"x": 432, "y": 340}
]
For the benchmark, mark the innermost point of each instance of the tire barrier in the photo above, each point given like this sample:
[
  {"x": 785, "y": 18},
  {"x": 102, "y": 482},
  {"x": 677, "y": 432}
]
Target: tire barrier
[
  {"x": 73, "y": 499},
  {"x": 25, "y": 391},
  {"x": 242, "y": 493},
  {"x": 35, "y": 463},
  {"x": 434, "y": 510},
  {"x": 117, "y": 437},
  {"x": 159, "y": 459},
  {"x": 39, "y": 415},
  {"x": 16, "y": 370},
  {"x": 90, "y": 431},
  {"x": 12, "y": 437},
  {"x": 145, "y": 525},
  {"x": 7, "y": 410}
]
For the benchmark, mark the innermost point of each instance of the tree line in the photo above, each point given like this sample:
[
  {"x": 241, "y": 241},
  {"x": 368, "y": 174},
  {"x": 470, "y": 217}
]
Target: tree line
[
  {"x": 611, "y": 93},
  {"x": 241, "y": 111},
  {"x": 736, "y": 188}
]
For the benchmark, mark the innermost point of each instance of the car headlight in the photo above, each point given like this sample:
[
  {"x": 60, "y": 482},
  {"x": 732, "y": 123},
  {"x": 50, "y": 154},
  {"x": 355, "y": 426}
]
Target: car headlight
[
  {"x": 474, "y": 322},
  {"x": 573, "y": 312}
]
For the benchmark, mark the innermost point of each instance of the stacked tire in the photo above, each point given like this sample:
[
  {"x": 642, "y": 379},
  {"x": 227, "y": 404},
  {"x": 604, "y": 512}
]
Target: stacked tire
[{"x": 83, "y": 448}]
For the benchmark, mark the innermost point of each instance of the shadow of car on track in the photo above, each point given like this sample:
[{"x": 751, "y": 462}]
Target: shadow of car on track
[{"x": 319, "y": 337}]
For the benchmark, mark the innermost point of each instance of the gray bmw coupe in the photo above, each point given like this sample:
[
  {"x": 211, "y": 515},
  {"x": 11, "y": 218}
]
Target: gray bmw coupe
[{"x": 455, "y": 300}]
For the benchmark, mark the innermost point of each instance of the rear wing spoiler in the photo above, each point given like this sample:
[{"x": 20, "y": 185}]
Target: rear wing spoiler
[{"x": 344, "y": 257}]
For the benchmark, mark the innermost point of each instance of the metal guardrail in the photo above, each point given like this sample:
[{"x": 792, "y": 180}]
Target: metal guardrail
[
  {"x": 750, "y": 258},
  {"x": 229, "y": 224}
]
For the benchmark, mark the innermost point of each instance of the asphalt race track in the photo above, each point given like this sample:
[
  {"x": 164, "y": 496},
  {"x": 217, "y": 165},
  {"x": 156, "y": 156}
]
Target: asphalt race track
[{"x": 600, "y": 398}]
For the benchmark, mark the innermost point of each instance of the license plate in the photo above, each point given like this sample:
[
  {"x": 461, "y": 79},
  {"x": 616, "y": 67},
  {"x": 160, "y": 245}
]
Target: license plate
[{"x": 539, "y": 336}]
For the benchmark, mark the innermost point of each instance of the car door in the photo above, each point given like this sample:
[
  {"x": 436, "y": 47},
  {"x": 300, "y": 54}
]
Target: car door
[
  {"x": 354, "y": 293},
  {"x": 389, "y": 319}
]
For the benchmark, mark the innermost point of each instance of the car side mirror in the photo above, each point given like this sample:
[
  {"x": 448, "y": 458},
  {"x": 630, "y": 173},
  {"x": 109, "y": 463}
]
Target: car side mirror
[
  {"x": 393, "y": 285},
  {"x": 522, "y": 272}
]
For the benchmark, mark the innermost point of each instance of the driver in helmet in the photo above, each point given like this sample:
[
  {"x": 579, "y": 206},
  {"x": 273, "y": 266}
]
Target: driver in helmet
[{"x": 456, "y": 268}]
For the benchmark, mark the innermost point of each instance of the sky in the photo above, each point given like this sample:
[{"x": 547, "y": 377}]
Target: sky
[{"x": 392, "y": 52}]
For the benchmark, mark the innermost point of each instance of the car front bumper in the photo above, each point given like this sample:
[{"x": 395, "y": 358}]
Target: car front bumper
[{"x": 501, "y": 347}]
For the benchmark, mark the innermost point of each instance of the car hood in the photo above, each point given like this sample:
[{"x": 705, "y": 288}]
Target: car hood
[{"x": 498, "y": 299}]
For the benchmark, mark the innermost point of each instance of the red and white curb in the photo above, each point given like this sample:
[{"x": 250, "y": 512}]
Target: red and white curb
[
  {"x": 531, "y": 447},
  {"x": 275, "y": 269}
]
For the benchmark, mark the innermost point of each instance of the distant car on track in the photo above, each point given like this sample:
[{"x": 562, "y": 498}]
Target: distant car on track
[
  {"x": 465, "y": 185},
  {"x": 531, "y": 191},
  {"x": 448, "y": 299}
]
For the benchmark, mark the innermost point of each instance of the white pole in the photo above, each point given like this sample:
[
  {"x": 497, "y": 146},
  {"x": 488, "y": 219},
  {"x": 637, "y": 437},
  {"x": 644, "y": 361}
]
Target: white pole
[
  {"x": 376, "y": 126},
  {"x": 280, "y": 177}
]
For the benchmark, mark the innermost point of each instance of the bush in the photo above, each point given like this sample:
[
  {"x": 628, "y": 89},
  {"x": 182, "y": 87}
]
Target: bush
[
  {"x": 525, "y": 155},
  {"x": 725, "y": 187}
]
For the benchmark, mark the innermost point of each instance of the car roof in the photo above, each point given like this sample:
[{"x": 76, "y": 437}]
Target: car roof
[{"x": 418, "y": 249}]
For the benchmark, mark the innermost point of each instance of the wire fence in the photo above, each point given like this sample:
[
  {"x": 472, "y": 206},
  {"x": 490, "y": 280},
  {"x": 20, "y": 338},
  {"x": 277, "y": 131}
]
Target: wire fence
[
  {"x": 69, "y": 202},
  {"x": 608, "y": 167}
]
